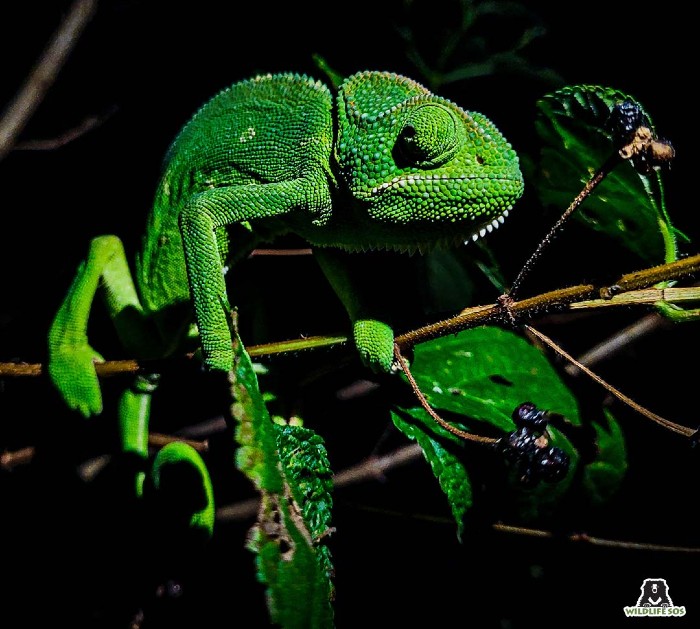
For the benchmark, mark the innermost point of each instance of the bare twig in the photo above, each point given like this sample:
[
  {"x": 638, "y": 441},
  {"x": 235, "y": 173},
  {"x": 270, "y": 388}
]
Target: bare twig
[
  {"x": 12, "y": 459},
  {"x": 51, "y": 144},
  {"x": 617, "y": 341},
  {"x": 462, "y": 434},
  {"x": 375, "y": 466},
  {"x": 371, "y": 468},
  {"x": 672, "y": 426},
  {"x": 158, "y": 440},
  {"x": 557, "y": 227},
  {"x": 594, "y": 541},
  {"x": 44, "y": 73},
  {"x": 556, "y": 300}
]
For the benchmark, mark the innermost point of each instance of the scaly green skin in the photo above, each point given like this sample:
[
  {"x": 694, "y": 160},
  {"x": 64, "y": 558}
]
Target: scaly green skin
[{"x": 387, "y": 165}]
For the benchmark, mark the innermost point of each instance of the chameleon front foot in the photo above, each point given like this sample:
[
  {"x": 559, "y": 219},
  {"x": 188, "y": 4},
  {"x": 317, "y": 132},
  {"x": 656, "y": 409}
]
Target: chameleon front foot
[
  {"x": 375, "y": 343},
  {"x": 72, "y": 371}
]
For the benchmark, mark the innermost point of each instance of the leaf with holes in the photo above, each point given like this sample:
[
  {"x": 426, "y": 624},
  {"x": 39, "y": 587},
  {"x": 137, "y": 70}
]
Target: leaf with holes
[{"x": 284, "y": 539}]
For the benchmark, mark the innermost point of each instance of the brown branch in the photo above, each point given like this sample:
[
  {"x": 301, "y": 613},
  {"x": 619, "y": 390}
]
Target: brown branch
[
  {"x": 556, "y": 300},
  {"x": 44, "y": 73}
]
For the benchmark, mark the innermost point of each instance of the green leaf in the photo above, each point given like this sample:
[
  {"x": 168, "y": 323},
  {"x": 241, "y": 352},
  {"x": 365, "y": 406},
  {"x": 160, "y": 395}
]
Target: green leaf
[
  {"x": 447, "y": 467},
  {"x": 485, "y": 372},
  {"x": 309, "y": 474},
  {"x": 602, "y": 477},
  {"x": 478, "y": 377},
  {"x": 627, "y": 206},
  {"x": 256, "y": 455},
  {"x": 298, "y": 593},
  {"x": 296, "y": 574}
]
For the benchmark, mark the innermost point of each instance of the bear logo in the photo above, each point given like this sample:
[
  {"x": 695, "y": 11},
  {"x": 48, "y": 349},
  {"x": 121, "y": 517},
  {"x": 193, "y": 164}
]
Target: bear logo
[{"x": 654, "y": 594}]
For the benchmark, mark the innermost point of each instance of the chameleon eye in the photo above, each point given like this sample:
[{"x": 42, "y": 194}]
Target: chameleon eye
[{"x": 428, "y": 136}]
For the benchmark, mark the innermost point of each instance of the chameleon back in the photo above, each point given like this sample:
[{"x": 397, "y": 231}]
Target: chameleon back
[{"x": 268, "y": 129}]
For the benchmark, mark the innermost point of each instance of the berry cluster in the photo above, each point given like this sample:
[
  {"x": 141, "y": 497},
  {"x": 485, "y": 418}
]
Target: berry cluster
[
  {"x": 625, "y": 118},
  {"x": 527, "y": 448}
]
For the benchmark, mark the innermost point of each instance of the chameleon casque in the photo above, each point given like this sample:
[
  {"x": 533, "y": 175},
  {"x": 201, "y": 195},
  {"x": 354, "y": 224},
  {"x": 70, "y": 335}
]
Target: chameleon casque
[{"x": 385, "y": 164}]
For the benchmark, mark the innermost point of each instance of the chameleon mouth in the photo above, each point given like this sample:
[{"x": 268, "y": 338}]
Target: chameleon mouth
[
  {"x": 489, "y": 227},
  {"x": 448, "y": 241},
  {"x": 460, "y": 238}
]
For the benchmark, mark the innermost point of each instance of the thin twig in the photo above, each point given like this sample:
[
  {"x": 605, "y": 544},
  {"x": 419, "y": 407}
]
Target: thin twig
[
  {"x": 23, "y": 456},
  {"x": 643, "y": 143},
  {"x": 677, "y": 428},
  {"x": 594, "y": 541},
  {"x": 44, "y": 73},
  {"x": 618, "y": 341},
  {"x": 158, "y": 440},
  {"x": 462, "y": 434},
  {"x": 51, "y": 144},
  {"x": 371, "y": 468},
  {"x": 609, "y": 165}
]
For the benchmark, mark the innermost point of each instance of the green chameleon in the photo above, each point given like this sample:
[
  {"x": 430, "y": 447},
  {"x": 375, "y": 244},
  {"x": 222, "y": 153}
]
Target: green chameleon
[{"x": 385, "y": 164}]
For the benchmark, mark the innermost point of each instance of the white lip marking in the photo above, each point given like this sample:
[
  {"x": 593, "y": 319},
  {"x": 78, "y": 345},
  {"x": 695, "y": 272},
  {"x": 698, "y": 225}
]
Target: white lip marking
[
  {"x": 489, "y": 228},
  {"x": 482, "y": 232}
]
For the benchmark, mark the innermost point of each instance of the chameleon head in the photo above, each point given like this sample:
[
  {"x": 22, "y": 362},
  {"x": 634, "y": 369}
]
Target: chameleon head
[{"x": 423, "y": 171}]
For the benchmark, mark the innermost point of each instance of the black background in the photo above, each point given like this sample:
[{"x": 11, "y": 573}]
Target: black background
[{"x": 148, "y": 66}]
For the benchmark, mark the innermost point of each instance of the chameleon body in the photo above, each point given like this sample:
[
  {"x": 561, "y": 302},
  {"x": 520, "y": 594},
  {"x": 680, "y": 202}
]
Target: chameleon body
[{"x": 385, "y": 164}]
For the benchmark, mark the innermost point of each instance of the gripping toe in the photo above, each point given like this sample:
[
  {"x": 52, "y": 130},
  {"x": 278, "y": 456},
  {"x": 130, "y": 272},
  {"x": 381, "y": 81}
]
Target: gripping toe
[{"x": 375, "y": 343}]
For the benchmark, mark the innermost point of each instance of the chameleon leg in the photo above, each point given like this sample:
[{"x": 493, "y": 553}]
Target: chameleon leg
[
  {"x": 203, "y": 215},
  {"x": 367, "y": 297},
  {"x": 71, "y": 359}
]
